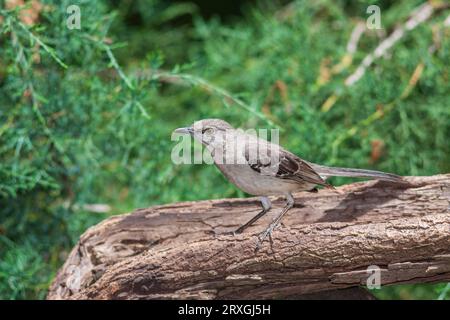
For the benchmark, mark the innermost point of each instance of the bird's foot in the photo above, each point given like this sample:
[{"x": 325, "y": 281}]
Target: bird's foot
[
  {"x": 263, "y": 235},
  {"x": 268, "y": 232}
]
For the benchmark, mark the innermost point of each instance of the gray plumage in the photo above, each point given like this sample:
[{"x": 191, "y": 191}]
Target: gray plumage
[{"x": 261, "y": 168}]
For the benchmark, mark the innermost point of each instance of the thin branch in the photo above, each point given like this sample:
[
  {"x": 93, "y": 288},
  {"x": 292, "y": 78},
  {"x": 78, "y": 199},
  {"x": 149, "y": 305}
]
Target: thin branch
[
  {"x": 25, "y": 67},
  {"x": 116, "y": 66},
  {"x": 351, "y": 48},
  {"x": 418, "y": 16},
  {"x": 388, "y": 107},
  {"x": 33, "y": 37},
  {"x": 180, "y": 78}
]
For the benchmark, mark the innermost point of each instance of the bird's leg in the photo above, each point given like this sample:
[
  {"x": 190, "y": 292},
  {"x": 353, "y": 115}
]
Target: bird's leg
[
  {"x": 265, "y": 202},
  {"x": 276, "y": 221}
]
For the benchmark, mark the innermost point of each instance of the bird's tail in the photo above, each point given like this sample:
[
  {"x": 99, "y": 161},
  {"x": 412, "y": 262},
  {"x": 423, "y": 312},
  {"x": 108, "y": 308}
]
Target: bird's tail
[{"x": 326, "y": 172}]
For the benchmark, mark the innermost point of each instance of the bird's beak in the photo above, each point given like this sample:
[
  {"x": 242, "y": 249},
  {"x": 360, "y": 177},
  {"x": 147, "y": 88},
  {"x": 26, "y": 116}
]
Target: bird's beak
[{"x": 187, "y": 130}]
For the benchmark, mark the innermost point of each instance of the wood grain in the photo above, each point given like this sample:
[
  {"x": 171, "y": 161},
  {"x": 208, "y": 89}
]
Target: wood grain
[{"x": 326, "y": 242}]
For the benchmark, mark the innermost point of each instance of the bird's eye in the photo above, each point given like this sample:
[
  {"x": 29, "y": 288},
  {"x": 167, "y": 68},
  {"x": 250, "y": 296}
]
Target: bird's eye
[{"x": 208, "y": 131}]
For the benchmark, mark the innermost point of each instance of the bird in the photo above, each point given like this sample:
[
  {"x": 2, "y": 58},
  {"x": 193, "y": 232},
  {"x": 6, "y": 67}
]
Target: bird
[{"x": 262, "y": 168}]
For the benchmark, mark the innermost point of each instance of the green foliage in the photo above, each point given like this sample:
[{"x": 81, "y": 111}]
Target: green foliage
[
  {"x": 86, "y": 115},
  {"x": 23, "y": 273},
  {"x": 416, "y": 291}
]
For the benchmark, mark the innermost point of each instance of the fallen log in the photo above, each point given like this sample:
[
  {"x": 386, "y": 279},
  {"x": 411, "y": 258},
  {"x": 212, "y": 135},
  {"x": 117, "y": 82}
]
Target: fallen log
[{"x": 326, "y": 242}]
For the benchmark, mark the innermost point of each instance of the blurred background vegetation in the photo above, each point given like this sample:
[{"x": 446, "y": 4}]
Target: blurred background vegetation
[{"x": 86, "y": 115}]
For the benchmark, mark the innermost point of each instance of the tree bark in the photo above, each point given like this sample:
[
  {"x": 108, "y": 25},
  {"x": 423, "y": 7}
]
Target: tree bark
[{"x": 326, "y": 242}]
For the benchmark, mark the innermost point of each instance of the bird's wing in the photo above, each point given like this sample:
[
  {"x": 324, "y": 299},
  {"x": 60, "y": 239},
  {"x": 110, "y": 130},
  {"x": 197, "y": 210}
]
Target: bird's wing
[
  {"x": 292, "y": 167},
  {"x": 285, "y": 166}
]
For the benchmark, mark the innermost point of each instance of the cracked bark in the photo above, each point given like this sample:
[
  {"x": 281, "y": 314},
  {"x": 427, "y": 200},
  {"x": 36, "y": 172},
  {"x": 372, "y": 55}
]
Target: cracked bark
[{"x": 326, "y": 242}]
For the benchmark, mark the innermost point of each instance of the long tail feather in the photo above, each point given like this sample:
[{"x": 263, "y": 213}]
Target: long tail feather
[{"x": 359, "y": 173}]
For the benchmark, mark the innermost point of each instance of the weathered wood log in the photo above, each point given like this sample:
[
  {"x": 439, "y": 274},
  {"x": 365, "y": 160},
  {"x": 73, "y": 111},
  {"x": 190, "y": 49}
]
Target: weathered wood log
[{"x": 325, "y": 243}]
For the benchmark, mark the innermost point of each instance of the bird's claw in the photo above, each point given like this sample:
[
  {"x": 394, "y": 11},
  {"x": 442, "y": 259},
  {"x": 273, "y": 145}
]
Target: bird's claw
[
  {"x": 263, "y": 235},
  {"x": 267, "y": 233}
]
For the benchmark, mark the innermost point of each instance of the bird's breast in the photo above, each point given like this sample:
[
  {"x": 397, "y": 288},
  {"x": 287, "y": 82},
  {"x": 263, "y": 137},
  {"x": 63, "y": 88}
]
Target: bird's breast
[{"x": 254, "y": 183}]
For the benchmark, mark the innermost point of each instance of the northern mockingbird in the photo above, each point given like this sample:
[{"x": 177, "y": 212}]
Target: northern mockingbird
[{"x": 263, "y": 169}]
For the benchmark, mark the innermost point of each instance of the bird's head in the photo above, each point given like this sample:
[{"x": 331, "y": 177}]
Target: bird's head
[{"x": 210, "y": 132}]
